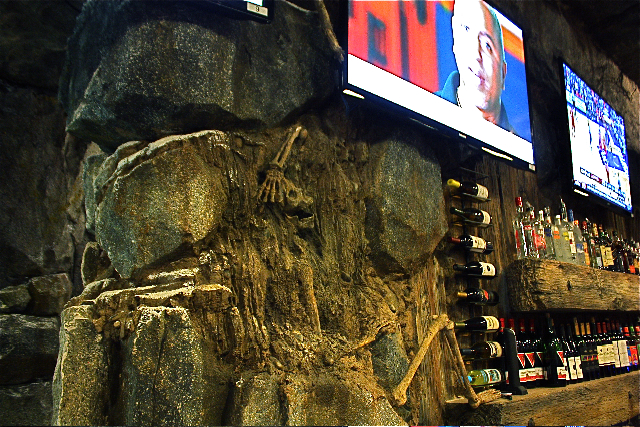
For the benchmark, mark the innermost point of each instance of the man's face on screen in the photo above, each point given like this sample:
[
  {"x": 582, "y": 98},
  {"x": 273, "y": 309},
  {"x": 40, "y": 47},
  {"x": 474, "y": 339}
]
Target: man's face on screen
[{"x": 478, "y": 50}]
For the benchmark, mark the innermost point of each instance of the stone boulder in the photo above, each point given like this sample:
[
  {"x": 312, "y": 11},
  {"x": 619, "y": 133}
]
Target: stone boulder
[
  {"x": 254, "y": 400},
  {"x": 81, "y": 381},
  {"x": 49, "y": 294},
  {"x": 160, "y": 200},
  {"x": 28, "y": 348},
  {"x": 14, "y": 299},
  {"x": 26, "y": 404},
  {"x": 144, "y": 70},
  {"x": 405, "y": 209}
]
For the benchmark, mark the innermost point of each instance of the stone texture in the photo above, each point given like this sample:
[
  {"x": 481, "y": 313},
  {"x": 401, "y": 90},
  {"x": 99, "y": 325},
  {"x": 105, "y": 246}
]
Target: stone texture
[
  {"x": 14, "y": 299},
  {"x": 28, "y": 348},
  {"x": 26, "y": 404},
  {"x": 81, "y": 382},
  {"x": 49, "y": 294},
  {"x": 91, "y": 168},
  {"x": 96, "y": 265},
  {"x": 34, "y": 40},
  {"x": 159, "y": 201},
  {"x": 35, "y": 238},
  {"x": 255, "y": 401},
  {"x": 144, "y": 70},
  {"x": 332, "y": 400},
  {"x": 405, "y": 210},
  {"x": 163, "y": 370},
  {"x": 389, "y": 360}
]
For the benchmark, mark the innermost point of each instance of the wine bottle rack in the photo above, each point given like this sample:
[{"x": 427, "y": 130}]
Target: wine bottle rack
[{"x": 544, "y": 285}]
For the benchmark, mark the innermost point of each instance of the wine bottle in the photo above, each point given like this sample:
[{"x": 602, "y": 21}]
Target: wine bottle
[
  {"x": 484, "y": 270},
  {"x": 470, "y": 189},
  {"x": 527, "y": 376},
  {"x": 480, "y": 323},
  {"x": 536, "y": 347},
  {"x": 593, "y": 351},
  {"x": 473, "y": 243},
  {"x": 484, "y": 377},
  {"x": 580, "y": 344},
  {"x": 477, "y": 216},
  {"x": 569, "y": 361},
  {"x": 555, "y": 374},
  {"x": 603, "y": 350},
  {"x": 482, "y": 350},
  {"x": 479, "y": 296},
  {"x": 625, "y": 365},
  {"x": 614, "y": 348}
]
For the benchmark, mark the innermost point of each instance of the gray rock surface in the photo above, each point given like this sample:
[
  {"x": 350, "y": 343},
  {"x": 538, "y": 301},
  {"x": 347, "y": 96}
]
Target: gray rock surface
[
  {"x": 49, "y": 294},
  {"x": 81, "y": 381},
  {"x": 405, "y": 211},
  {"x": 255, "y": 401},
  {"x": 14, "y": 299},
  {"x": 162, "y": 379},
  {"x": 91, "y": 168},
  {"x": 389, "y": 360},
  {"x": 96, "y": 265},
  {"x": 26, "y": 404},
  {"x": 28, "y": 348},
  {"x": 160, "y": 200},
  {"x": 144, "y": 70}
]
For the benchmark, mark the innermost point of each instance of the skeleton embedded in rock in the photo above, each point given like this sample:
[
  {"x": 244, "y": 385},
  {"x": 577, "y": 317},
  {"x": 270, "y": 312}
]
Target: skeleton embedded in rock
[{"x": 276, "y": 188}]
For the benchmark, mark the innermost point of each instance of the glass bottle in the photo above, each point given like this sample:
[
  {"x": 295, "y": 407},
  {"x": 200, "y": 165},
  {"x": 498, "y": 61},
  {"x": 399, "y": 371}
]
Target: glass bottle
[
  {"x": 470, "y": 189},
  {"x": 484, "y": 377},
  {"x": 482, "y": 350},
  {"x": 479, "y": 296},
  {"x": 577, "y": 237},
  {"x": 555, "y": 374},
  {"x": 479, "y": 323},
  {"x": 518, "y": 230}
]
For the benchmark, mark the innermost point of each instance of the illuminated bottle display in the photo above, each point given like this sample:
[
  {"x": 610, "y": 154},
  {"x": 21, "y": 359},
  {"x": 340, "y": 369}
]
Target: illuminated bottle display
[
  {"x": 473, "y": 243},
  {"x": 483, "y": 270},
  {"x": 472, "y": 214},
  {"x": 479, "y": 296},
  {"x": 480, "y": 323},
  {"x": 469, "y": 189}
]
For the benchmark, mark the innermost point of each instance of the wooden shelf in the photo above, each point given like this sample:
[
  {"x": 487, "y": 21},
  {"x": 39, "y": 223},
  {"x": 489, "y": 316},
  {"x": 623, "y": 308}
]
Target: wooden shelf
[
  {"x": 606, "y": 401},
  {"x": 540, "y": 285}
]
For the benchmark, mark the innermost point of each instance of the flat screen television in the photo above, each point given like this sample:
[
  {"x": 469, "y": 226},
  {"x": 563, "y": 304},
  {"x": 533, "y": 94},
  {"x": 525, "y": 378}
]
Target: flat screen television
[
  {"x": 600, "y": 161},
  {"x": 459, "y": 70}
]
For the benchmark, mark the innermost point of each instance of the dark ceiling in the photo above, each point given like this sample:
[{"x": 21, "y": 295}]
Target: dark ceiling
[{"x": 614, "y": 27}]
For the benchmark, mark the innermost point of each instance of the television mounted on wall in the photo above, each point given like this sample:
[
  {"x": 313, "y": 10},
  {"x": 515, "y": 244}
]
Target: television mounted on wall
[
  {"x": 460, "y": 70},
  {"x": 599, "y": 157}
]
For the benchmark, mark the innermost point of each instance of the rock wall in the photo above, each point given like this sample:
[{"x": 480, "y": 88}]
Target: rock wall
[{"x": 238, "y": 250}]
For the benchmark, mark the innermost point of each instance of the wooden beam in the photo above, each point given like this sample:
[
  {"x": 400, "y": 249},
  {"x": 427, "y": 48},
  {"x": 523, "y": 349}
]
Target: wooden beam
[
  {"x": 540, "y": 285},
  {"x": 606, "y": 401}
]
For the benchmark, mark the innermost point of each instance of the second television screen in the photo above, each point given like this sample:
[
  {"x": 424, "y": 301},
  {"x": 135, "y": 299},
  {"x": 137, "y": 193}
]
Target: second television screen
[{"x": 459, "y": 63}]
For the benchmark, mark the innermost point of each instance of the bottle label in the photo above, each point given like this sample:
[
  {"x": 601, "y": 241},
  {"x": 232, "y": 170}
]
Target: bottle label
[
  {"x": 478, "y": 244},
  {"x": 572, "y": 368},
  {"x": 556, "y": 234},
  {"x": 524, "y": 377},
  {"x": 611, "y": 354},
  {"x": 572, "y": 242},
  {"x": 488, "y": 269},
  {"x": 539, "y": 373},
  {"x": 578, "y": 363},
  {"x": 607, "y": 255},
  {"x": 483, "y": 192},
  {"x": 539, "y": 241},
  {"x": 601, "y": 355},
  {"x": 634, "y": 354},
  {"x": 624, "y": 353},
  {"x": 522, "y": 360},
  {"x": 492, "y": 323},
  {"x": 486, "y": 218},
  {"x": 495, "y": 349},
  {"x": 562, "y": 372},
  {"x": 615, "y": 352},
  {"x": 579, "y": 247},
  {"x": 491, "y": 376},
  {"x": 587, "y": 258}
]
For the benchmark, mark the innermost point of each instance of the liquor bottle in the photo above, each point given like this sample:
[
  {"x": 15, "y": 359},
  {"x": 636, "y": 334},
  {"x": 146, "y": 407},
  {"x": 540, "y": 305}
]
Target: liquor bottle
[
  {"x": 603, "y": 350},
  {"x": 480, "y": 269},
  {"x": 561, "y": 244},
  {"x": 567, "y": 233},
  {"x": 569, "y": 361},
  {"x": 636, "y": 257},
  {"x": 540, "y": 240},
  {"x": 605, "y": 249},
  {"x": 593, "y": 350},
  {"x": 473, "y": 243},
  {"x": 577, "y": 237},
  {"x": 620, "y": 260},
  {"x": 536, "y": 347},
  {"x": 523, "y": 367},
  {"x": 518, "y": 230},
  {"x": 586, "y": 239},
  {"x": 597, "y": 251},
  {"x": 632, "y": 345},
  {"x": 480, "y": 324},
  {"x": 470, "y": 189},
  {"x": 625, "y": 364},
  {"x": 630, "y": 246},
  {"x": 482, "y": 350},
  {"x": 479, "y": 296},
  {"x": 612, "y": 348},
  {"x": 484, "y": 377},
  {"x": 529, "y": 232},
  {"x": 548, "y": 234},
  {"x": 477, "y": 216},
  {"x": 580, "y": 344},
  {"x": 555, "y": 374}
]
